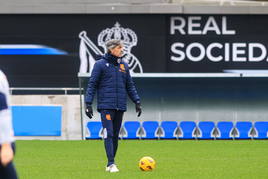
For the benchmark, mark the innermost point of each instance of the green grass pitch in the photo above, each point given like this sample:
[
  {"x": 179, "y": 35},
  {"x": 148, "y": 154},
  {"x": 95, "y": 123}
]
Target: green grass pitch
[{"x": 174, "y": 159}]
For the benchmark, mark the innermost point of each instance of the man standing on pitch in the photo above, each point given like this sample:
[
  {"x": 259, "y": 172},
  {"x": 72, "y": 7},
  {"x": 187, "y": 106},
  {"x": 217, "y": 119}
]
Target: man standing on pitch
[
  {"x": 111, "y": 79},
  {"x": 7, "y": 170}
]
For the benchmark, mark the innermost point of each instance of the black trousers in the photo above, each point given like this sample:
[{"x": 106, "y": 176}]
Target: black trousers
[
  {"x": 111, "y": 123},
  {"x": 9, "y": 171}
]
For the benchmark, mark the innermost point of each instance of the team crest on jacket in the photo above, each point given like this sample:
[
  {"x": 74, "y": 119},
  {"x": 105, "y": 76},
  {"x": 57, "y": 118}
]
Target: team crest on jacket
[
  {"x": 122, "y": 68},
  {"x": 89, "y": 52}
]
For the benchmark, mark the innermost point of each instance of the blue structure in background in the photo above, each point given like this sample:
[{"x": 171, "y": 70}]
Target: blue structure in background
[
  {"x": 261, "y": 129},
  {"x": 187, "y": 129},
  {"x": 206, "y": 129},
  {"x": 225, "y": 129},
  {"x": 29, "y": 49},
  {"x": 37, "y": 120},
  {"x": 132, "y": 128},
  {"x": 169, "y": 129},
  {"x": 150, "y": 129},
  {"x": 243, "y": 129},
  {"x": 94, "y": 129}
]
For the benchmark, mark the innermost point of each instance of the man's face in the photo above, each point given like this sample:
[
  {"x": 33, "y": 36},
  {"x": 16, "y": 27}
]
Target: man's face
[{"x": 117, "y": 51}]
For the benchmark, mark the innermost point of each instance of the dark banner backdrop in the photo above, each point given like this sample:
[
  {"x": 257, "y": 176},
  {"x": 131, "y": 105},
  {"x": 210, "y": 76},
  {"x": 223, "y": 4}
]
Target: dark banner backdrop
[{"x": 165, "y": 44}]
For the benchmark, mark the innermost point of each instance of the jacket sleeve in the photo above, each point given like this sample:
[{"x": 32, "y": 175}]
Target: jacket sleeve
[
  {"x": 93, "y": 83},
  {"x": 6, "y": 129},
  {"x": 131, "y": 89}
]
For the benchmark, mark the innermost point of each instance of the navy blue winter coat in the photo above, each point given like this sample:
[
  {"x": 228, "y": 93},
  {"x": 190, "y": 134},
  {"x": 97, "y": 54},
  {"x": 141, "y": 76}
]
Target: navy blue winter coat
[{"x": 113, "y": 83}]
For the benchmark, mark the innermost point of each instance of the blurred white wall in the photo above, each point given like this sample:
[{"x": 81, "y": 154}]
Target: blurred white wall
[{"x": 133, "y": 6}]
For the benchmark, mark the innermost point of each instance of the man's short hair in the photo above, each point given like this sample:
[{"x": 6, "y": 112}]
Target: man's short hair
[{"x": 112, "y": 44}]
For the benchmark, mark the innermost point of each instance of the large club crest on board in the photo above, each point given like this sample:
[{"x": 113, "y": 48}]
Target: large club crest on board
[{"x": 89, "y": 52}]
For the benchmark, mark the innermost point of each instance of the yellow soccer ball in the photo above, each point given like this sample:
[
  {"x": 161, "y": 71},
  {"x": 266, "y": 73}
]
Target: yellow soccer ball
[{"x": 147, "y": 163}]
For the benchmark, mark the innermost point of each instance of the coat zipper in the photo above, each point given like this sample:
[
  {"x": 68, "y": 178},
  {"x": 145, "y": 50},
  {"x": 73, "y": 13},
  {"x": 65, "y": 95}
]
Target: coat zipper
[{"x": 116, "y": 74}]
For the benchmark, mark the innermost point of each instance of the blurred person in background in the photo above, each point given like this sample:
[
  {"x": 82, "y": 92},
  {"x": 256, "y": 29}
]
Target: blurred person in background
[
  {"x": 111, "y": 79},
  {"x": 7, "y": 145}
]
